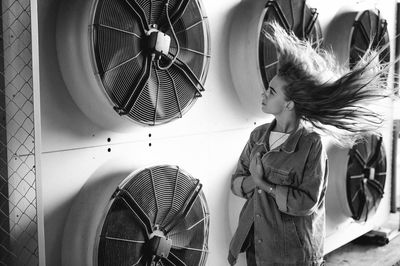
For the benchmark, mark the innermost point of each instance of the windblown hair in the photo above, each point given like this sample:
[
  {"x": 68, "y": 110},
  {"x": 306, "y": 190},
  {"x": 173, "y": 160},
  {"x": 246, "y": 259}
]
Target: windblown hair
[{"x": 331, "y": 97}]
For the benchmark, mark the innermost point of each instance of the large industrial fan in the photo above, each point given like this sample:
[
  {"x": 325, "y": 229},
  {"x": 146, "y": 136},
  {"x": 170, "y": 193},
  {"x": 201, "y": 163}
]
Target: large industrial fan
[
  {"x": 369, "y": 31},
  {"x": 366, "y": 174},
  {"x": 355, "y": 201},
  {"x": 250, "y": 48},
  {"x": 156, "y": 216},
  {"x": 359, "y": 31},
  {"x": 133, "y": 61},
  {"x": 366, "y": 166}
]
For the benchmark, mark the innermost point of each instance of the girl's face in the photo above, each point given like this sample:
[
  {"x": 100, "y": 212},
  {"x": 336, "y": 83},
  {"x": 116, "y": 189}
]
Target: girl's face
[{"x": 273, "y": 98}]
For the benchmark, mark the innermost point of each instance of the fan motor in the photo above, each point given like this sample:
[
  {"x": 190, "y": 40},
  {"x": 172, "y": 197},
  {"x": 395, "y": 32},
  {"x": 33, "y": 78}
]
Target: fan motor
[
  {"x": 158, "y": 42},
  {"x": 159, "y": 245},
  {"x": 369, "y": 173}
]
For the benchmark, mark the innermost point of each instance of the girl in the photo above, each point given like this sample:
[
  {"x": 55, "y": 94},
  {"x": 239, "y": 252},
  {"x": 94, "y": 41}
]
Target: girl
[{"x": 282, "y": 171}]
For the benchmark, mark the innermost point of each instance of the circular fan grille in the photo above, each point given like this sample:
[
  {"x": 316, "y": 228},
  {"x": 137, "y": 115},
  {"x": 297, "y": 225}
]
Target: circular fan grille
[
  {"x": 294, "y": 16},
  {"x": 366, "y": 174},
  {"x": 158, "y": 216},
  {"x": 148, "y": 84},
  {"x": 369, "y": 31}
]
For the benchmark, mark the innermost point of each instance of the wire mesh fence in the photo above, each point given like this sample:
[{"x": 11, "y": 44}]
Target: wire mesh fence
[{"x": 18, "y": 211}]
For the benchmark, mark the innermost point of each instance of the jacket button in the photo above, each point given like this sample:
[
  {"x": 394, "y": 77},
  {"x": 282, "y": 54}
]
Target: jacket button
[
  {"x": 258, "y": 215},
  {"x": 259, "y": 241},
  {"x": 259, "y": 191}
]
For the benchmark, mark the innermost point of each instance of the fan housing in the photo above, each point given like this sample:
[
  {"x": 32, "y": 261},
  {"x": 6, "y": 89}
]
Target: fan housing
[
  {"x": 155, "y": 215},
  {"x": 359, "y": 31},
  {"x": 366, "y": 176},
  {"x": 140, "y": 61}
]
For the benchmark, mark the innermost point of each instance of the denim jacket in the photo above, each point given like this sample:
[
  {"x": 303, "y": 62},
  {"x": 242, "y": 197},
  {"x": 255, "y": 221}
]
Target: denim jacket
[{"x": 290, "y": 228}]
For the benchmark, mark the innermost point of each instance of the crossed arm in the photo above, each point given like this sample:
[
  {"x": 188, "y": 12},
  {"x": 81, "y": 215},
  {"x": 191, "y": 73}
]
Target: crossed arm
[{"x": 300, "y": 200}]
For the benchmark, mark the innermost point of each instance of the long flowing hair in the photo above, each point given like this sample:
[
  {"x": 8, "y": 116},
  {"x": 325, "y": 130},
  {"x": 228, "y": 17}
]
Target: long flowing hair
[{"x": 328, "y": 95}]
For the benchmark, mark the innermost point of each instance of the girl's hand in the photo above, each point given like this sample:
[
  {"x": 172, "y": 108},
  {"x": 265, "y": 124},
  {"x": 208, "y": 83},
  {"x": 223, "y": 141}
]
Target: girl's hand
[{"x": 256, "y": 169}]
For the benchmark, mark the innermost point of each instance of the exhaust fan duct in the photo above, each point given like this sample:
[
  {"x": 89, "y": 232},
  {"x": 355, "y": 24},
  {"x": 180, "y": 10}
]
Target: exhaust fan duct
[
  {"x": 253, "y": 57},
  {"x": 156, "y": 216},
  {"x": 133, "y": 61}
]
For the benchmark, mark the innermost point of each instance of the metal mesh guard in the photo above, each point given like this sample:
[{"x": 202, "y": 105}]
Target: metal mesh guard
[
  {"x": 129, "y": 73},
  {"x": 163, "y": 199}
]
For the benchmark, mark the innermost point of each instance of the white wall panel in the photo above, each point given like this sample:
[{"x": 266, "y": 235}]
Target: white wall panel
[{"x": 206, "y": 142}]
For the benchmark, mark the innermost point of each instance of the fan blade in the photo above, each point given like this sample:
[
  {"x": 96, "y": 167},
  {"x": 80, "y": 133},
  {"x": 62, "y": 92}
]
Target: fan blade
[
  {"x": 377, "y": 151},
  {"x": 189, "y": 256},
  {"x": 383, "y": 31},
  {"x": 139, "y": 260},
  {"x": 311, "y": 25},
  {"x": 359, "y": 157},
  {"x": 139, "y": 13},
  {"x": 362, "y": 202},
  {"x": 185, "y": 69},
  {"x": 136, "y": 209},
  {"x": 135, "y": 92},
  {"x": 122, "y": 50},
  {"x": 189, "y": 248},
  {"x": 124, "y": 240},
  {"x": 192, "y": 26},
  {"x": 378, "y": 186},
  {"x": 356, "y": 194},
  {"x": 190, "y": 227},
  {"x": 166, "y": 261},
  {"x": 188, "y": 205},
  {"x": 175, "y": 260},
  {"x": 102, "y": 73},
  {"x": 179, "y": 11},
  {"x": 194, "y": 52},
  {"x": 175, "y": 93},
  {"x": 281, "y": 16},
  {"x": 363, "y": 31}
]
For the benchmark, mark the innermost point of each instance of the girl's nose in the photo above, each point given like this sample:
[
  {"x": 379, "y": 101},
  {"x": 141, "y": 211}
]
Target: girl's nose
[{"x": 265, "y": 93}]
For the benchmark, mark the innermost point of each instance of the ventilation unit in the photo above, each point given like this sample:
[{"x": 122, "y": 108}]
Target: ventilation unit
[
  {"x": 253, "y": 57},
  {"x": 359, "y": 30},
  {"x": 365, "y": 180},
  {"x": 354, "y": 200},
  {"x": 133, "y": 61},
  {"x": 366, "y": 166},
  {"x": 156, "y": 216}
]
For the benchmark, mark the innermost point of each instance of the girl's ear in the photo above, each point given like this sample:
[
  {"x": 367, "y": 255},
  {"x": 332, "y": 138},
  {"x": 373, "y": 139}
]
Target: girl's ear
[{"x": 290, "y": 105}]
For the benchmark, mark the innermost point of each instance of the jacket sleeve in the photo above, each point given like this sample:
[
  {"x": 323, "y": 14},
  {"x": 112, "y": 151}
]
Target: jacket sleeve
[
  {"x": 242, "y": 171},
  {"x": 305, "y": 199}
]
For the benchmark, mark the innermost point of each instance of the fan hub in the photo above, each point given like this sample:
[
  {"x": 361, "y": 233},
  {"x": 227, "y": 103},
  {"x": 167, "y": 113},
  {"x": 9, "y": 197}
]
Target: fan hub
[
  {"x": 159, "y": 244},
  {"x": 158, "y": 42},
  {"x": 369, "y": 173}
]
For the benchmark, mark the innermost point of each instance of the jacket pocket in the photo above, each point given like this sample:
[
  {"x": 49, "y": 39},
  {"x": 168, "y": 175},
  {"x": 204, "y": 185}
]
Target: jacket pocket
[
  {"x": 292, "y": 237},
  {"x": 280, "y": 177}
]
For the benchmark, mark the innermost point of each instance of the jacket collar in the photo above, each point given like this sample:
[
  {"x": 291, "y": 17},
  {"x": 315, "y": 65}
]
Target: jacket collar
[{"x": 290, "y": 144}]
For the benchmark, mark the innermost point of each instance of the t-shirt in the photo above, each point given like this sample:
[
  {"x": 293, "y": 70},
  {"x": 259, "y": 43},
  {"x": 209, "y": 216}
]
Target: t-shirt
[{"x": 276, "y": 139}]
